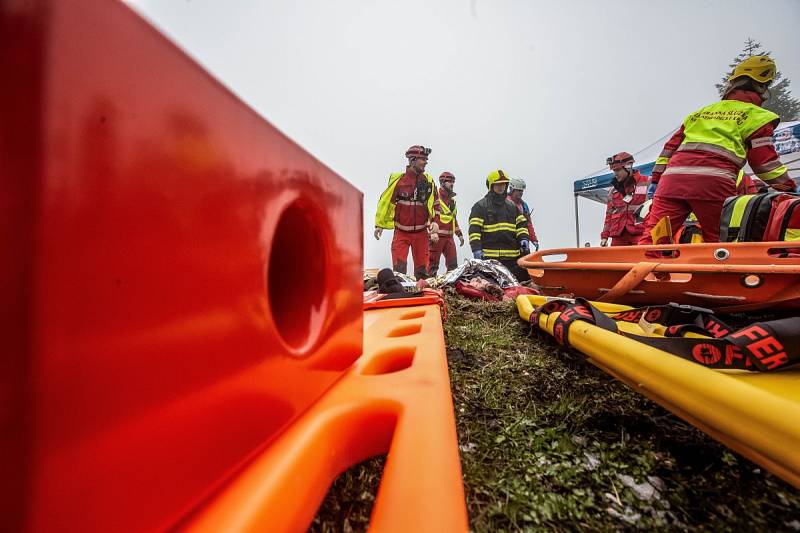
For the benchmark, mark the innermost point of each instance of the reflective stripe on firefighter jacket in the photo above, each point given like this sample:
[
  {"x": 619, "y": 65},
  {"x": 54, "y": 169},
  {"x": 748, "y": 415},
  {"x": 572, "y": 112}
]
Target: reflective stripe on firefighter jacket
[
  {"x": 446, "y": 218},
  {"x": 385, "y": 214},
  {"x": 497, "y": 227},
  {"x": 621, "y": 210}
]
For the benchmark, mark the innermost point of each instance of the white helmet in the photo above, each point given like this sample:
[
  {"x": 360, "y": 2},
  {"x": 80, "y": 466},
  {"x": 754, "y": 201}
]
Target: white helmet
[{"x": 517, "y": 184}]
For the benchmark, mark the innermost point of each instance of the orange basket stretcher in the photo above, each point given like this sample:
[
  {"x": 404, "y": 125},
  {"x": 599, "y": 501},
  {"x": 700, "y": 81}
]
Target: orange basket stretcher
[{"x": 726, "y": 277}]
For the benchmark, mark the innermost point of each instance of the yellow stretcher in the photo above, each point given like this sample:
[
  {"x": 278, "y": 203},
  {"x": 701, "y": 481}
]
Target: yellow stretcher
[{"x": 755, "y": 414}]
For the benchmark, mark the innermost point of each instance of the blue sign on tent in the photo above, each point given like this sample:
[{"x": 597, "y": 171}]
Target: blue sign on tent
[{"x": 787, "y": 140}]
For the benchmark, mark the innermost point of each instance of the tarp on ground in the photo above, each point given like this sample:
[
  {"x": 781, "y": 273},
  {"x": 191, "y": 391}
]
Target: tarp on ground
[{"x": 595, "y": 186}]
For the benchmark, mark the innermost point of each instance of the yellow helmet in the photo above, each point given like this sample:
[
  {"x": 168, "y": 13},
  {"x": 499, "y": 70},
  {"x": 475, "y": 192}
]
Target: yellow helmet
[
  {"x": 759, "y": 68},
  {"x": 496, "y": 176}
]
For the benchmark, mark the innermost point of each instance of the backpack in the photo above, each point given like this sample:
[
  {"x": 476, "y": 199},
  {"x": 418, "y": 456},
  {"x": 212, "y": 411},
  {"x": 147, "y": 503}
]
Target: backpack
[
  {"x": 745, "y": 218},
  {"x": 688, "y": 234},
  {"x": 784, "y": 222}
]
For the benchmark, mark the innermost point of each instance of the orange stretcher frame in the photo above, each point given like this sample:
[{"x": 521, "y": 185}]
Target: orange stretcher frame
[
  {"x": 721, "y": 276},
  {"x": 395, "y": 399}
]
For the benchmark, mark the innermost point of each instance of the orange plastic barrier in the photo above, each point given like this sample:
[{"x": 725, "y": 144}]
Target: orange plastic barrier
[
  {"x": 395, "y": 399},
  {"x": 376, "y": 300},
  {"x": 720, "y": 276},
  {"x": 176, "y": 285}
]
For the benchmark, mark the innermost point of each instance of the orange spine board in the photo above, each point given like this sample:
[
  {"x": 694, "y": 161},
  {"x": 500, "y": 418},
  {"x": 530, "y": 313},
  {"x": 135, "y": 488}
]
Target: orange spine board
[{"x": 396, "y": 400}]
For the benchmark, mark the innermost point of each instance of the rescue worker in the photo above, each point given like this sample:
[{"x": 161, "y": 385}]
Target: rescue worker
[
  {"x": 409, "y": 205},
  {"x": 698, "y": 166},
  {"x": 691, "y": 232},
  {"x": 447, "y": 226},
  {"x": 627, "y": 195},
  {"x": 497, "y": 230},
  {"x": 516, "y": 188}
]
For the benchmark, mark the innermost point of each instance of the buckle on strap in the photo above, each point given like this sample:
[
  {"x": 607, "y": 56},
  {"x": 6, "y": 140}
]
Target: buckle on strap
[{"x": 686, "y": 309}]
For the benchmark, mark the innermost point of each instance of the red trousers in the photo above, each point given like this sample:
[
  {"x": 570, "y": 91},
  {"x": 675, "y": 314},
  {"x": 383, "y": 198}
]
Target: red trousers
[
  {"x": 447, "y": 246},
  {"x": 626, "y": 239},
  {"x": 708, "y": 214},
  {"x": 418, "y": 241}
]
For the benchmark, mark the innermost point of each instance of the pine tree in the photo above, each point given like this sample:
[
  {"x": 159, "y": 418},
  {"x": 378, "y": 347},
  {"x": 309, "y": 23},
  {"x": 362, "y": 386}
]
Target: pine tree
[{"x": 780, "y": 100}]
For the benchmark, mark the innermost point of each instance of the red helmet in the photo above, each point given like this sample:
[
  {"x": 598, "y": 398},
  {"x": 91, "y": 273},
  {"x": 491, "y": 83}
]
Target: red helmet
[
  {"x": 418, "y": 151},
  {"x": 447, "y": 176},
  {"x": 620, "y": 160}
]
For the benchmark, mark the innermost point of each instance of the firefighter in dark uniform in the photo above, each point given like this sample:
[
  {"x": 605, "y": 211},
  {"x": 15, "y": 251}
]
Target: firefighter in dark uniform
[{"x": 497, "y": 230}]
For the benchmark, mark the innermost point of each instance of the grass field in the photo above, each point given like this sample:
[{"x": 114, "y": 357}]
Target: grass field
[{"x": 549, "y": 442}]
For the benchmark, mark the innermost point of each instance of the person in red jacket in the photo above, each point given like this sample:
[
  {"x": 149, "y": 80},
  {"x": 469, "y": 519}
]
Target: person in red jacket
[
  {"x": 516, "y": 188},
  {"x": 447, "y": 226},
  {"x": 628, "y": 193},
  {"x": 409, "y": 206},
  {"x": 698, "y": 167}
]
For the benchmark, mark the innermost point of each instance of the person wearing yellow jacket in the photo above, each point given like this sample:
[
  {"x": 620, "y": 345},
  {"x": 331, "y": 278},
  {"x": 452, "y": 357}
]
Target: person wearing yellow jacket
[
  {"x": 699, "y": 165},
  {"x": 409, "y": 206},
  {"x": 447, "y": 223}
]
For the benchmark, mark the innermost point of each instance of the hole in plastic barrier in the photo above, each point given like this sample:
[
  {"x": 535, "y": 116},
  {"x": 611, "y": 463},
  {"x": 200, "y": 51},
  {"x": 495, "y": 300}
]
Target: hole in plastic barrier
[
  {"x": 296, "y": 277},
  {"x": 351, "y": 498},
  {"x": 405, "y": 331},
  {"x": 359, "y": 436},
  {"x": 391, "y": 360},
  {"x": 413, "y": 314}
]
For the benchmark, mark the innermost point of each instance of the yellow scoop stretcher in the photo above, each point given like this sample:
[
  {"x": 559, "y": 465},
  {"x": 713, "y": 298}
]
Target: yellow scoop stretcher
[{"x": 755, "y": 414}]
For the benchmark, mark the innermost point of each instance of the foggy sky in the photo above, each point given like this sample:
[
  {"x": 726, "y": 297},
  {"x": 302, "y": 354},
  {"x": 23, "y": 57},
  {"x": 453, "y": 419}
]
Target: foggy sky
[{"x": 543, "y": 90}]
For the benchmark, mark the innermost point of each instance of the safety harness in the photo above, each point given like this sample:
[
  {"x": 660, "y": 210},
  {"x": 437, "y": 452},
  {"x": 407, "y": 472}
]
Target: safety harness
[{"x": 761, "y": 347}]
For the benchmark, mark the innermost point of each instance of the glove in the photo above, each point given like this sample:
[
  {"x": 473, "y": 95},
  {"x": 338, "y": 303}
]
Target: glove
[
  {"x": 525, "y": 246},
  {"x": 378, "y": 233},
  {"x": 604, "y": 242},
  {"x": 477, "y": 254},
  {"x": 651, "y": 190},
  {"x": 460, "y": 240},
  {"x": 535, "y": 245},
  {"x": 433, "y": 232}
]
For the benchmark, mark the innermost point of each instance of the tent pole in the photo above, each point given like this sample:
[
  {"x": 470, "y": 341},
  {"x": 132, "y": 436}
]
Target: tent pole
[{"x": 577, "y": 225}]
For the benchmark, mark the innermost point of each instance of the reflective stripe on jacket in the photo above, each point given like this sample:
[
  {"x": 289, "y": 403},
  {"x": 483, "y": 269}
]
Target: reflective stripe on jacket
[
  {"x": 448, "y": 210},
  {"x": 385, "y": 214},
  {"x": 716, "y": 141},
  {"x": 497, "y": 228},
  {"x": 723, "y": 127},
  {"x": 621, "y": 214}
]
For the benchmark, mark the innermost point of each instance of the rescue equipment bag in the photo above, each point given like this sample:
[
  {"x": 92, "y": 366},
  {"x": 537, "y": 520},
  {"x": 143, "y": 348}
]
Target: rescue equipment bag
[{"x": 745, "y": 218}]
